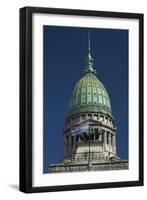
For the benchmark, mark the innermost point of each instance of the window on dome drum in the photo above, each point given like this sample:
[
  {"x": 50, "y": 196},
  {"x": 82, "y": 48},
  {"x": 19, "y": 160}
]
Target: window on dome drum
[
  {"x": 96, "y": 117},
  {"x": 77, "y": 119},
  {"x": 89, "y": 115},
  {"x": 101, "y": 118},
  {"x": 110, "y": 121},
  {"x": 106, "y": 119},
  {"x": 83, "y": 117},
  {"x": 72, "y": 120}
]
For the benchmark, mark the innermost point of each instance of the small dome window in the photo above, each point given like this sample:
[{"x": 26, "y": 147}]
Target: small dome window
[{"x": 90, "y": 115}]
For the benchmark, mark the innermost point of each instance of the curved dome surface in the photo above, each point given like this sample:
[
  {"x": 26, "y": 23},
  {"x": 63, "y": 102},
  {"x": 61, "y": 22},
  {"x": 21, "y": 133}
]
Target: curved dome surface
[{"x": 89, "y": 95}]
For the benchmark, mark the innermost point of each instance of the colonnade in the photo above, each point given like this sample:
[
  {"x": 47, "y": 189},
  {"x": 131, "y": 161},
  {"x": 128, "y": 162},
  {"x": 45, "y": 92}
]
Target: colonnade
[{"x": 105, "y": 136}]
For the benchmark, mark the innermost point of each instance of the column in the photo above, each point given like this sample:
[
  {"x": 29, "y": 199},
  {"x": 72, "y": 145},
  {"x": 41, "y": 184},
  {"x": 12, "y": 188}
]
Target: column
[
  {"x": 109, "y": 135},
  {"x": 100, "y": 135},
  {"x": 114, "y": 143},
  {"x": 105, "y": 139}
]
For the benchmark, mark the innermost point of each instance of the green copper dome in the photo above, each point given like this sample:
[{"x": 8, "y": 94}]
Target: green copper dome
[{"x": 89, "y": 94}]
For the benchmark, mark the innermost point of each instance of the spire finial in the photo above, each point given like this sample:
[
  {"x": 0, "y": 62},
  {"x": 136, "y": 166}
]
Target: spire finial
[
  {"x": 89, "y": 60},
  {"x": 89, "y": 41}
]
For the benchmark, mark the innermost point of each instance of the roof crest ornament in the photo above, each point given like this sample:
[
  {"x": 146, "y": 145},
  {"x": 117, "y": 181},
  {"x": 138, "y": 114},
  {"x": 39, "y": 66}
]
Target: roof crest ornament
[{"x": 89, "y": 60}]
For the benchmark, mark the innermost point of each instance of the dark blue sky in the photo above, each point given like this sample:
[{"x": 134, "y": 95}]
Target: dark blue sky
[{"x": 65, "y": 51}]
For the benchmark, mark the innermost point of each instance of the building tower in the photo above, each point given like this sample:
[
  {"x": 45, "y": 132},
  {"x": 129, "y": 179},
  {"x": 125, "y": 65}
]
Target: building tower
[{"x": 89, "y": 135}]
